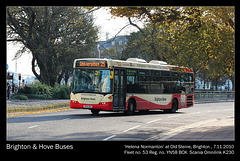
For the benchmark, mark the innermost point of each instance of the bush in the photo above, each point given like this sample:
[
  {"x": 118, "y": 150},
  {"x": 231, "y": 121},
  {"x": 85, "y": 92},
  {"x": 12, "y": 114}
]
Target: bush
[
  {"x": 21, "y": 90},
  {"x": 35, "y": 96},
  {"x": 25, "y": 90},
  {"x": 60, "y": 92},
  {"x": 39, "y": 88},
  {"x": 42, "y": 91},
  {"x": 20, "y": 97}
]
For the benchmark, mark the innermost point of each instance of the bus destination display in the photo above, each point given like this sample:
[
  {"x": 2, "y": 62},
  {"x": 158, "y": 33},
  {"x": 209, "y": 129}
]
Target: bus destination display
[{"x": 91, "y": 63}]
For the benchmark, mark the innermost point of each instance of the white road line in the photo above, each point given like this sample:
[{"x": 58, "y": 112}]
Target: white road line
[
  {"x": 173, "y": 116},
  {"x": 109, "y": 137},
  {"x": 33, "y": 126},
  {"x": 131, "y": 128},
  {"x": 66, "y": 119},
  {"x": 153, "y": 121},
  {"x": 195, "y": 112}
]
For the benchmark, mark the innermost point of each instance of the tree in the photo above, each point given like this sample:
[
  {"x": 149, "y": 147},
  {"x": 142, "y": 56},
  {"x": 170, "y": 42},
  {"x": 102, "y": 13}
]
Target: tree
[
  {"x": 208, "y": 43},
  {"x": 147, "y": 44},
  {"x": 134, "y": 46},
  {"x": 197, "y": 37},
  {"x": 55, "y": 36}
]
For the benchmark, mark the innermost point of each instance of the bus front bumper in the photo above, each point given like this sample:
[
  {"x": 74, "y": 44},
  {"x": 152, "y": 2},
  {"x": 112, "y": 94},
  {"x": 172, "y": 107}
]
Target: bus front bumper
[{"x": 101, "y": 106}]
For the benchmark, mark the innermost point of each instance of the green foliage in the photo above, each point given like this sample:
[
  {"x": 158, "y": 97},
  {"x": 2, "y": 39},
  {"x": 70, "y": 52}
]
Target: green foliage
[
  {"x": 42, "y": 91},
  {"x": 55, "y": 36},
  {"x": 20, "y": 97},
  {"x": 60, "y": 92},
  {"x": 201, "y": 38},
  {"x": 38, "y": 96},
  {"x": 39, "y": 88}
]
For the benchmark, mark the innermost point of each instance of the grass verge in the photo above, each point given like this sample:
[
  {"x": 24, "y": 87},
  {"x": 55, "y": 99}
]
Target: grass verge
[{"x": 30, "y": 109}]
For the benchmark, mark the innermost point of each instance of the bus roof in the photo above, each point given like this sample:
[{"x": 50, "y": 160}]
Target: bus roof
[{"x": 129, "y": 63}]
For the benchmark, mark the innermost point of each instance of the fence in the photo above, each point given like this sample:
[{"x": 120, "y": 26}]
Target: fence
[{"x": 214, "y": 95}]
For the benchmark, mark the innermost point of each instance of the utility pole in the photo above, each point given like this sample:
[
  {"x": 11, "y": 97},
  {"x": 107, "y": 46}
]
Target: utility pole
[{"x": 16, "y": 66}]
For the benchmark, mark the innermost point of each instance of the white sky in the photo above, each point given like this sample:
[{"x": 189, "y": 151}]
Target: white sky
[{"x": 103, "y": 20}]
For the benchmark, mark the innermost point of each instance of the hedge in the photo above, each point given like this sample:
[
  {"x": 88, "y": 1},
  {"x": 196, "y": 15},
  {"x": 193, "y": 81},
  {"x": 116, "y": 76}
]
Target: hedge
[{"x": 42, "y": 91}]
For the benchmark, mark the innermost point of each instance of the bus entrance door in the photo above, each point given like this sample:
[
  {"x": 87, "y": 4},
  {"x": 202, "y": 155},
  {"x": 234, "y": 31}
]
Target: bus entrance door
[{"x": 119, "y": 96}]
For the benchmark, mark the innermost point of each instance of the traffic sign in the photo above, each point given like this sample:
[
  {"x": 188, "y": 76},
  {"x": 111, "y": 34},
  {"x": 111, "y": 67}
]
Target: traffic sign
[{"x": 7, "y": 66}]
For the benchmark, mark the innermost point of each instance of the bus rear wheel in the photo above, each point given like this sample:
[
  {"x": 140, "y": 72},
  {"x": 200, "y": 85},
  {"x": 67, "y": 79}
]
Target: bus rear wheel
[
  {"x": 95, "y": 111},
  {"x": 174, "y": 107}
]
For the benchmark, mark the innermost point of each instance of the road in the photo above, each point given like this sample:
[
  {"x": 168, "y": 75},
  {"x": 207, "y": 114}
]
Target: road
[{"x": 82, "y": 125}]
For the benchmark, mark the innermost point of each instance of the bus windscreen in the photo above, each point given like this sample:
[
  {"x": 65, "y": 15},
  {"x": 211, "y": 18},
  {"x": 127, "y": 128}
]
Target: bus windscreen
[{"x": 91, "y": 81}]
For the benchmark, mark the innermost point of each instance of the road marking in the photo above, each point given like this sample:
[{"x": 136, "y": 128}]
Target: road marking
[
  {"x": 66, "y": 119},
  {"x": 180, "y": 129},
  {"x": 109, "y": 137},
  {"x": 131, "y": 128},
  {"x": 195, "y": 112},
  {"x": 33, "y": 126},
  {"x": 153, "y": 121},
  {"x": 123, "y": 132},
  {"x": 173, "y": 116}
]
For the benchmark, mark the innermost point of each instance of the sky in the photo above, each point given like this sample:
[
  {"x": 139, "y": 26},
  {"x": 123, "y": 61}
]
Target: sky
[{"x": 103, "y": 20}]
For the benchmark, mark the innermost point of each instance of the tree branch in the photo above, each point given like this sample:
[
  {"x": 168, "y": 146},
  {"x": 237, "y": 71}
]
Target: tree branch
[
  {"x": 119, "y": 32},
  {"x": 15, "y": 24},
  {"x": 15, "y": 40},
  {"x": 90, "y": 11},
  {"x": 133, "y": 24}
]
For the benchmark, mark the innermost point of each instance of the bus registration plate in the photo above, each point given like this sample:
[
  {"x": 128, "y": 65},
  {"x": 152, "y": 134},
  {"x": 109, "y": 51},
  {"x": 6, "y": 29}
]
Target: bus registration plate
[{"x": 87, "y": 106}]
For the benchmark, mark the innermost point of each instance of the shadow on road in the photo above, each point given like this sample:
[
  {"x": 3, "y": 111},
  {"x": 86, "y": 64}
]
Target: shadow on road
[
  {"x": 121, "y": 114},
  {"x": 54, "y": 117}
]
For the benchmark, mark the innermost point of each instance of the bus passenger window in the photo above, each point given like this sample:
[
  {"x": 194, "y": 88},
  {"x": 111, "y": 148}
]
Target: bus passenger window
[{"x": 132, "y": 81}]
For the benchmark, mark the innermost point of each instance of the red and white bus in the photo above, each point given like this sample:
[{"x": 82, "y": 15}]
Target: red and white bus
[{"x": 131, "y": 85}]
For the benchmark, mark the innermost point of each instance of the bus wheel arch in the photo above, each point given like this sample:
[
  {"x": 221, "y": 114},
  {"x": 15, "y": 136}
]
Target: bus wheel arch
[
  {"x": 132, "y": 105},
  {"x": 174, "y": 106}
]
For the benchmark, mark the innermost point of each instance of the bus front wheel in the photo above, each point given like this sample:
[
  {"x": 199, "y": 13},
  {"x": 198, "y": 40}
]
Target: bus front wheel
[
  {"x": 131, "y": 108},
  {"x": 95, "y": 111}
]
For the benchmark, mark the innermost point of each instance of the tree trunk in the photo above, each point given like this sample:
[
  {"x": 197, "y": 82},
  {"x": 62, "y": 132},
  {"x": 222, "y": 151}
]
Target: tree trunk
[
  {"x": 216, "y": 84},
  {"x": 34, "y": 70}
]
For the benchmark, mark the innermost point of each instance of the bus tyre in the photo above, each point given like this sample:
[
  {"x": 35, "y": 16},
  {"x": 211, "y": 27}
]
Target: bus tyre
[
  {"x": 95, "y": 111},
  {"x": 131, "y": 108},
  {"x": 174, "y": 107}
]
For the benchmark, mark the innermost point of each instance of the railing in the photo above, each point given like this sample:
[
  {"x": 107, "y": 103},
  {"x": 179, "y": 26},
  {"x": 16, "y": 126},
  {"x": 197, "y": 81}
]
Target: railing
[{"x": 214, "y": 95}]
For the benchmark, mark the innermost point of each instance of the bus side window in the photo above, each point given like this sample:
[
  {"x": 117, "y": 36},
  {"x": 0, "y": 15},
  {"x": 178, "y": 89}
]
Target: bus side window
[
  {"x": 144, "y": 81},
  {"x": 155, "y": 84},
  {"x": 132, "y": 81},
  {"x": 165, "y": 78}
]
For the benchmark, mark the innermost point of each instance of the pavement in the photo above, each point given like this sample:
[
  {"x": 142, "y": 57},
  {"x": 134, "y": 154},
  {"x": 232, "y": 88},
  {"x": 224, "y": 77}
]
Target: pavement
[
  {"x": 26, "y": 103},
  {"x": 218, "y": 130}
]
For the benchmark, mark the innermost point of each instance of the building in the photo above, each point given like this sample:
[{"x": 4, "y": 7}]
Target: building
[
  {"x": 199, "y": 85},
  {"x": 111, "y": 48}
]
